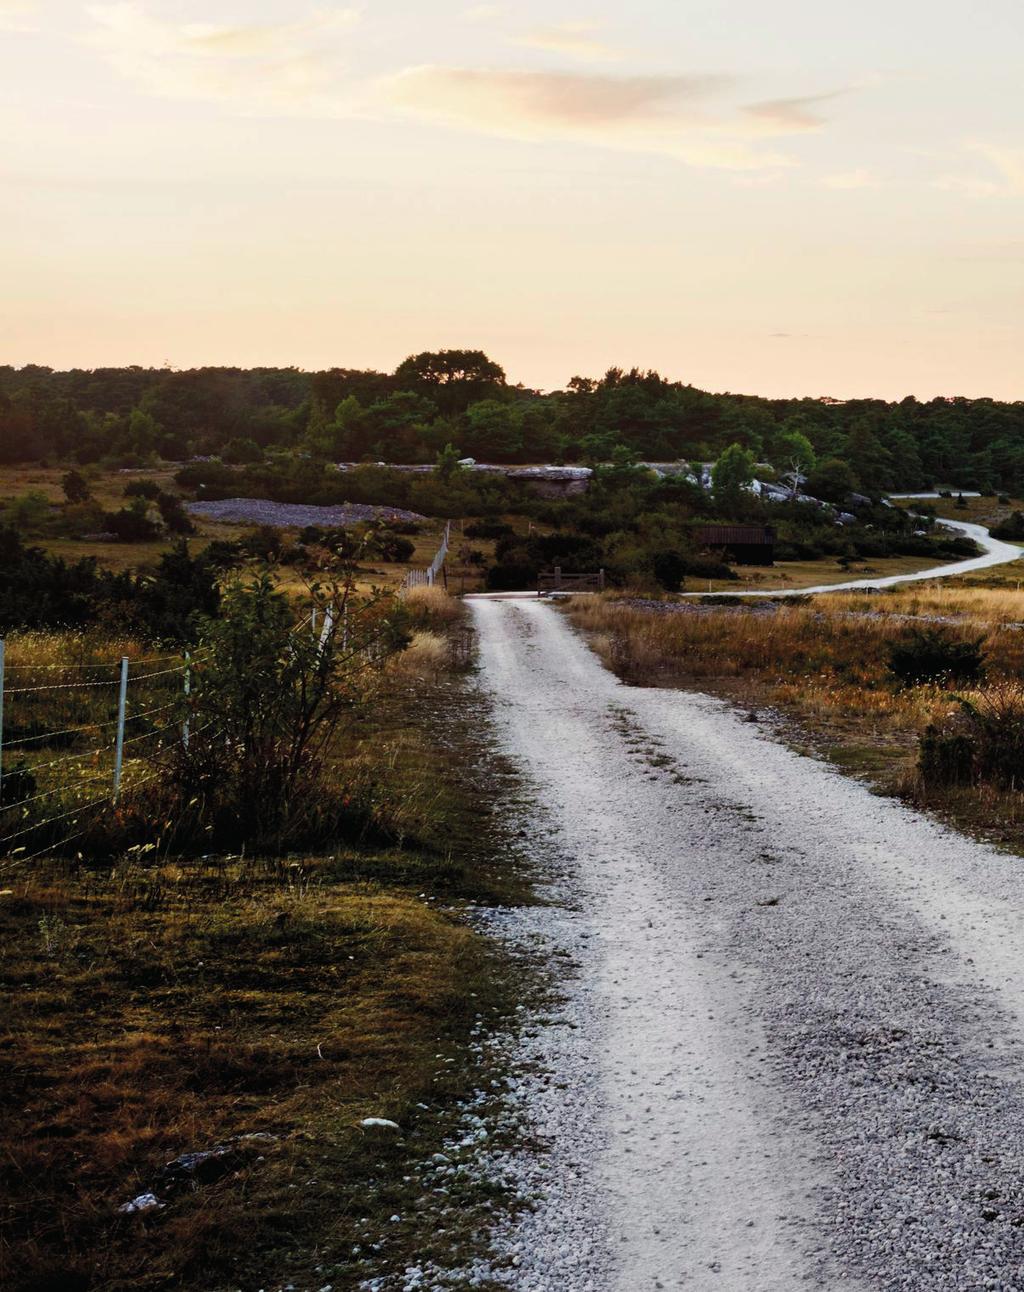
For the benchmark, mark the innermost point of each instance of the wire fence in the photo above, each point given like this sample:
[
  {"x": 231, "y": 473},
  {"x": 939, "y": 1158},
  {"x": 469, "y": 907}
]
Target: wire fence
[
  {"x": 428, "y": 577},
  {"x": 75, "y": 735}
]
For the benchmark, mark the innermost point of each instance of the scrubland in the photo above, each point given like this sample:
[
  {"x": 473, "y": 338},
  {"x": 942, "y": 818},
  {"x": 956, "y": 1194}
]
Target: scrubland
[
  {"x": 821, "y": 669},
  {"x": 162, "y": 1002}
]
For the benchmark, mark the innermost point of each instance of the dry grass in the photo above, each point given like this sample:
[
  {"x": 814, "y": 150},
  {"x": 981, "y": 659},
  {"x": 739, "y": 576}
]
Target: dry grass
[
  {"x": 425, "y": 657},
  {"x": 158, "y": 1006},
  {"x": 794, "y": 575},
  {"x": 433, "y": 604},
  {"x": 154, "y": 1012},
  {"x": 953, "y": 599},
  {"x": 823, "y": 667}
]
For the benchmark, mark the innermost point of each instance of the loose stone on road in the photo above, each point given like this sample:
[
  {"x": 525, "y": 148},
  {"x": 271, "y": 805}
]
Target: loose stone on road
[{"x": 788, "y": 1053}]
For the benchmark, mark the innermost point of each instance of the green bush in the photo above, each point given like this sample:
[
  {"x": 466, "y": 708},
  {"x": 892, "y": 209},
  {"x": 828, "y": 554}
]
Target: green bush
[
  {"x": 143, "y": 489},
  {"x": 512, "y": 576},
  {"x": 984, "y": 741},
  {"x": 266, "y": 705},
  {"x": 945, "y": 757},
  {"x": 1011, "y": 529},
  {"x": 669, "y": 569},
  {"x": 705, "y": 567},
  {"x": 932, "y": 655},
  {"x": 132, "y": 524}
]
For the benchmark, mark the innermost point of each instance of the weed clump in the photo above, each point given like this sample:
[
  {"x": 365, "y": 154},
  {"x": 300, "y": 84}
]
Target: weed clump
[
  {"x": 982, "y": 742},
  {"x": 933, "y": 656}
]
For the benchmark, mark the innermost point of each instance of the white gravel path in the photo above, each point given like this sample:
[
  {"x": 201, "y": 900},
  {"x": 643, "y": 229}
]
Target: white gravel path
[
  {"x": 788, "y": 1055},
  {"x": 994, "y": 552}
]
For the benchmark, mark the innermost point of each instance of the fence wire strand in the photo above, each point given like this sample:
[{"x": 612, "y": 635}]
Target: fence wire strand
[{"x": 44, "y": 736}]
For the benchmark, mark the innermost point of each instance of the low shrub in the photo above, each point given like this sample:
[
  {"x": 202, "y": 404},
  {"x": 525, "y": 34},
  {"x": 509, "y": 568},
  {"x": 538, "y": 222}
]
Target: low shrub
[
  {"x": 996, "y": 722},
  {"x": 983, "y": 741},
  {"x": 932, "y": 655},
  {"x": 143, "y": 489},
  {"x": 1011, "y": 529},
  {"x": 945, "y": 758},
  {"x": 705, "y": 567},
  {"x": 512, "y": 576},
  {"x": 488, "y": 529}
]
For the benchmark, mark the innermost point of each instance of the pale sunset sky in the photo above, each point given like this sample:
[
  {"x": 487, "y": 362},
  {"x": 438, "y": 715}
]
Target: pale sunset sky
[{"x": 779, "y": 197}]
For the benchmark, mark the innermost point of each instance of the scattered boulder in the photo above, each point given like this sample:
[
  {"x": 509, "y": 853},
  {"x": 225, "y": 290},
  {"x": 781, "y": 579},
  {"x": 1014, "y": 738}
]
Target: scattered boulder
[
  {"x": 379, "y": 1123},
  {"x": 144, "y": 1202},
  {"x": 203, "y": 1167},
  {"x": 199, "y": 1168}
]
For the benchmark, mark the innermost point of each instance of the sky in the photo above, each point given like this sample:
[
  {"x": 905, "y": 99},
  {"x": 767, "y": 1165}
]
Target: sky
[{"x": 778, "y": 197}]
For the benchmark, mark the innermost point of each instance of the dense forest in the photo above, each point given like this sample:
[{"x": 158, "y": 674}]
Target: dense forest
[{"x": 131, "y": 416}]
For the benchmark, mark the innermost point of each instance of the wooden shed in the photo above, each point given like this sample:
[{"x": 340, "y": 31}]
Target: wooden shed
[{"x": 743, "y": 544}]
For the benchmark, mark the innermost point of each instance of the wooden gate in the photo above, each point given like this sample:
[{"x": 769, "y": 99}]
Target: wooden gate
[{"x": 558, "y": 580}]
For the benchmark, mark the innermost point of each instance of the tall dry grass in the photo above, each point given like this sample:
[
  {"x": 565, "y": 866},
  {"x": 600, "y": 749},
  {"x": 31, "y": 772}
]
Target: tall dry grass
[
  {"x": 995, "y": 606},
  {"x": 824, "y": 662},
  {"x": 426, "y": 657},
  {"x": 432, "y": 604}
]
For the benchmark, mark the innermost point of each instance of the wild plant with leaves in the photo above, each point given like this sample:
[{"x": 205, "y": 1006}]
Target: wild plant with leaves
[{"x": 267, "y": 700}]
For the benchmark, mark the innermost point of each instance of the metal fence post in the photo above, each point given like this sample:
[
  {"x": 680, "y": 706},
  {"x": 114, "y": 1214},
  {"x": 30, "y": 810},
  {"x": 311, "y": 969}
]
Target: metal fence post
[
  {"x": 1, "y": 719},
  {"x": 122, "y": 704},
  {"x": 185, "y": 730}
]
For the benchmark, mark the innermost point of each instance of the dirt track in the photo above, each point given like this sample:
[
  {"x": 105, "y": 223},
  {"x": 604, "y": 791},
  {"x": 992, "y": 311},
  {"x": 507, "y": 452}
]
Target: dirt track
[{"x": 788, "y": 1055}]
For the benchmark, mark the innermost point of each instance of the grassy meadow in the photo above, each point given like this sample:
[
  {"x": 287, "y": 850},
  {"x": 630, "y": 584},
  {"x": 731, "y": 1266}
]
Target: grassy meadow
[
  {"x": 820, "y": 669},
  {"x": 256, "y": 1008}
]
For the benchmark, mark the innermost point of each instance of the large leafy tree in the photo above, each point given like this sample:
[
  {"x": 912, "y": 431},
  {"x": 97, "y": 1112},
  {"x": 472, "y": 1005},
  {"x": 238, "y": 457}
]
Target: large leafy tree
[
  {"x": 730, "y": 476},
  {"x": 453, "y": 379}
]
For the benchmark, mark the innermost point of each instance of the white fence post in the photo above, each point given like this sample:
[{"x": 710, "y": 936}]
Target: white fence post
[
  {"x": 1, "y": 720},
  {"x": 328, "y": 628},
  {"x": 122, "y": 704},
  {"x": 186, "y": 728}
]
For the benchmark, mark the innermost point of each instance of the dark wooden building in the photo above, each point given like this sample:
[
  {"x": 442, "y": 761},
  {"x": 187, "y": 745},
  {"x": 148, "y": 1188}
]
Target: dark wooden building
[{"x": 742, "y": 544}]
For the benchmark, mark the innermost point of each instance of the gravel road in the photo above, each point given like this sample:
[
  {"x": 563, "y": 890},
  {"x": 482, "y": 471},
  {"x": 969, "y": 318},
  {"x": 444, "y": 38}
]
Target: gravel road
[
  {"x": 993, "y": 552},
  {"x": 788, "y": 1053}
]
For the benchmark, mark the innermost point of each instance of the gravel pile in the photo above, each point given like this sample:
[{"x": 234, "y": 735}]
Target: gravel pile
[{"x": 290, "y": 515}]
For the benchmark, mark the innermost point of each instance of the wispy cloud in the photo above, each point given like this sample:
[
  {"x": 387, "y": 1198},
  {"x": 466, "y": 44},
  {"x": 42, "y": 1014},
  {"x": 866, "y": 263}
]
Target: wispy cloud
[
  {"x": 852, "y": 179},
  {"x": 1008, "y": 162},
  {"x": 1003, "y": 173},
  {"x": 286, "y": 66},
  {"x": 483, "y": 12},
  {"x": 679, "y": 116},
  {"x": 790, "y": 116},
  {"x": 968, "y": 185},
  {"x": 578, "y": 39}
]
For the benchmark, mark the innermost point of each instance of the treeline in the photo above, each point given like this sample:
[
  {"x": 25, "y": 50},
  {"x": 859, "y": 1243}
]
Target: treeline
[{"x": 461, "y": 397}]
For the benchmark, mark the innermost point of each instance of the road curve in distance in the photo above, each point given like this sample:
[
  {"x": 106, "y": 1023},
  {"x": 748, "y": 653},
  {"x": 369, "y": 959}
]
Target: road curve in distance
[{"x": 996, "y": 552}]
